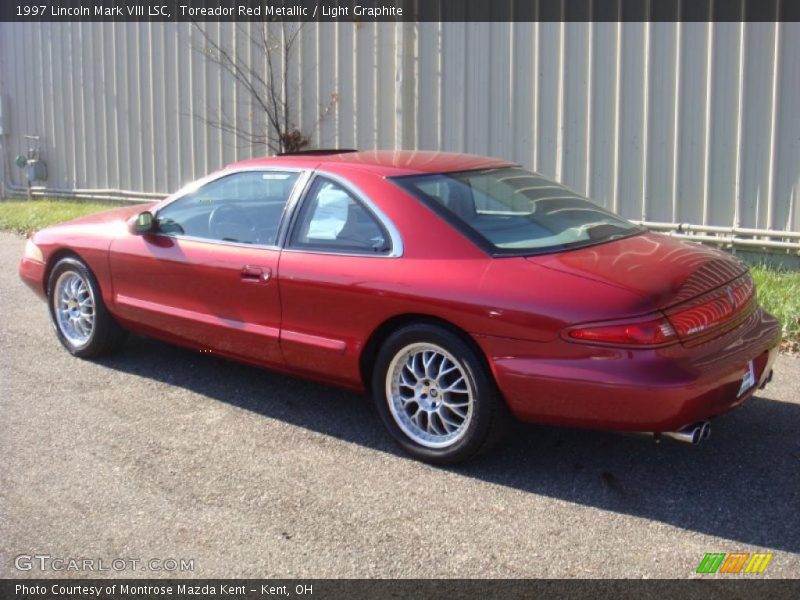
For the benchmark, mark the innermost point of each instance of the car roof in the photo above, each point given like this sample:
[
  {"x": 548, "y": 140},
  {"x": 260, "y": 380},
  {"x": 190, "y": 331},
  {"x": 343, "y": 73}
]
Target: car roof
[{"x": 389, "y": 163}]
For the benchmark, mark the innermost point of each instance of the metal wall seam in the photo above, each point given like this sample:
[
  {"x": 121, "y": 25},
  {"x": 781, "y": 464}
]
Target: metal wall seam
[
  {"x": 677, "y": 120},
  {"x": 773, "y": 127},
  {"x": 707, "y": 120},
  {"x": 617, "y": 117},
  {"x": 737, "y": 196},
  {"x": 645, "y": 117}
]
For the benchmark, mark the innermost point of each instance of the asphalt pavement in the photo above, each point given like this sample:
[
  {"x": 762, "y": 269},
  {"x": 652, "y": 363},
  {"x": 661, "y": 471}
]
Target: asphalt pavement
[{"x": 160, "y": 453}]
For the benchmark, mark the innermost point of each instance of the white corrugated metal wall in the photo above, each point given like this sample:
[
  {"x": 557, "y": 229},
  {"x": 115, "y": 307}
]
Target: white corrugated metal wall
[{"x": 689, "y": 122}]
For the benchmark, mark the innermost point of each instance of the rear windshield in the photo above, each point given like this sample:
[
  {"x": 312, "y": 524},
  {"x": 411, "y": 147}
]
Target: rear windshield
[{"x": 511, "y": 211}]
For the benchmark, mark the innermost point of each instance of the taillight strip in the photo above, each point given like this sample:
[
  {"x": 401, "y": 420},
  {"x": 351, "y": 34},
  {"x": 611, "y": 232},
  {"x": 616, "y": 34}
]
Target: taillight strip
[
  {"x": 652, "y": 331},
  {"x": 712, "y": 311}
]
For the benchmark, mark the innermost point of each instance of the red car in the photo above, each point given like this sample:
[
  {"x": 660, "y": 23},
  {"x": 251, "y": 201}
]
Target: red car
[{"x": 459, "y": 290}]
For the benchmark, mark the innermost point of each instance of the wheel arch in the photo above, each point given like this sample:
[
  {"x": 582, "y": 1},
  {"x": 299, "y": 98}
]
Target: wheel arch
[
  {"x": 53, "y": 260},
  {"x": 381, "y": 333}
]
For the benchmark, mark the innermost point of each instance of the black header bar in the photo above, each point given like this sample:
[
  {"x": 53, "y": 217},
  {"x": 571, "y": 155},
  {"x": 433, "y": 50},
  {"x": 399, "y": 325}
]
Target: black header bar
[
  {"x": 386, "y": 589},
  {"x": 366, "y": 11}
]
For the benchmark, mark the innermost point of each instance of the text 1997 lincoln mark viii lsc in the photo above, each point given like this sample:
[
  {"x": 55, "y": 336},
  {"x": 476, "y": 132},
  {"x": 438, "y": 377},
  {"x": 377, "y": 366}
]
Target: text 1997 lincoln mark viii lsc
[{"x": 459, "y": 290}]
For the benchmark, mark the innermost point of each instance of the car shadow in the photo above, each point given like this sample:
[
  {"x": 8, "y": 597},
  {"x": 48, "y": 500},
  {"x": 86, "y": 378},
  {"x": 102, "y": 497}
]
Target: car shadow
[{"x": 742, "y": 485}]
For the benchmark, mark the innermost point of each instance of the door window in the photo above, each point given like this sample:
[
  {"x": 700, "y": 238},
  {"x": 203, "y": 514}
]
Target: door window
[{"x": 244, "y": 208}]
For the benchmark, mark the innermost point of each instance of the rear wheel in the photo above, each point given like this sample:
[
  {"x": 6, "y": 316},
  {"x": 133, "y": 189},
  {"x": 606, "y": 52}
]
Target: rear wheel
[
  {"x": 82, "y": 322},
  {"x": 435, "y": 395}
]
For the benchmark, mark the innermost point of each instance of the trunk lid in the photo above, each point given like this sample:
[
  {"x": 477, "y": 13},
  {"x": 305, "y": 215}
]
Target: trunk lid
[{"x": 703, "y": 291}]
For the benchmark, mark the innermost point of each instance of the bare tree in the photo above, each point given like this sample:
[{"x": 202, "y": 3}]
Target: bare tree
[{"x": 270, "y": 88}]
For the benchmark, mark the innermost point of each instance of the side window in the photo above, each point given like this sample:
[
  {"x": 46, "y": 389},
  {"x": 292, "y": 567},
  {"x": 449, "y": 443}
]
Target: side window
[
  {"x": 332, "y": 219},
  {"x": 243, "y": 207}
]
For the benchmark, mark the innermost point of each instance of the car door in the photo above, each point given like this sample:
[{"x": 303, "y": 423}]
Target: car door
[
  {"x": 207, "y": 275},
  {"x": 335, "y": 261}
]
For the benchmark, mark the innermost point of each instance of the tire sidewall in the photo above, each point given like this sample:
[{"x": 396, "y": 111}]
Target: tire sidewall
[{"x": 485, "y": 396}]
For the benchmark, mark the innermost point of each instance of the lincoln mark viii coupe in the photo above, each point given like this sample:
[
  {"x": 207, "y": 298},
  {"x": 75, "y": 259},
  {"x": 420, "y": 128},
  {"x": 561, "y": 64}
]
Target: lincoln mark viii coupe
[{"x": 460, "y": 291}]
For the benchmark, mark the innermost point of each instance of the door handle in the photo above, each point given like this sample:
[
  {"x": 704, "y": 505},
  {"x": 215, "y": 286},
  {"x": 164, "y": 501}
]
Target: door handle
[{"x": 252, "y": 274}]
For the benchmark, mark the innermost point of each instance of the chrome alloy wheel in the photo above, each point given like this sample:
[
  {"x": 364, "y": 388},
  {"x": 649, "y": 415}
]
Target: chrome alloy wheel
[
  {"x": 429, "y": 395},
  {"x": 74, "y": 307}
]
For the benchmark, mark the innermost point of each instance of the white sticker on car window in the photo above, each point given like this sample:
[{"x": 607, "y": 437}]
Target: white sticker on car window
[{"x": 330, "y": 214}]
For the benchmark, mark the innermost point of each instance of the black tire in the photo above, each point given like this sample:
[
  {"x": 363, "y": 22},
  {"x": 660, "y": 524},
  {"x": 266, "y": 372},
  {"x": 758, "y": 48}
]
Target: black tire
[
  {"x": 489, "y": 414},
  {"x": 106, "y": 335}
]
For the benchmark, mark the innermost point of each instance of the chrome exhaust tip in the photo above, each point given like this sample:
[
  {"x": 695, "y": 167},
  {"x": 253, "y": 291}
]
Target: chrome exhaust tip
[{"x": 691, "y": 434}]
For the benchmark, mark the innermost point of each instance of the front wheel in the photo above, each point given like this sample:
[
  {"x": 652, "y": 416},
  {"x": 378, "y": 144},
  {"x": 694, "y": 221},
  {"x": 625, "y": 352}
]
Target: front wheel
[
  {"x": 82, "y": 322},
  {"x": 435, "y": 395}
]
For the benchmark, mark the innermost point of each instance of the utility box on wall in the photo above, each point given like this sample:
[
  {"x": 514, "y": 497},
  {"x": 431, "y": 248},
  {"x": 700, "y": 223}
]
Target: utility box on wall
[
  {"x": 36, "y": 170},
  {"x": 4, "y": 120}
]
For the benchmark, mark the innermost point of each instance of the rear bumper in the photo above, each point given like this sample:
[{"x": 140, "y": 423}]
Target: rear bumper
[
  {"x": 32, "y": 274},
  {"x": 563, "y": 383}
]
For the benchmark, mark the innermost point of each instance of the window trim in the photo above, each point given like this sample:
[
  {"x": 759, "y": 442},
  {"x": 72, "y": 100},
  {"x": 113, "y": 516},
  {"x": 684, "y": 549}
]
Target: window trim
[
  {"x": 286, "y": 215},
  {"x": 384, "y": 222}
]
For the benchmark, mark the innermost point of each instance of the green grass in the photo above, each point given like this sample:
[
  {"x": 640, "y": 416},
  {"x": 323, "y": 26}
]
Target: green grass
[
  {"x": 25, "y": 217},
  {"x": 778, "y": 288},
  {"x": 779, "y": 293}
]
